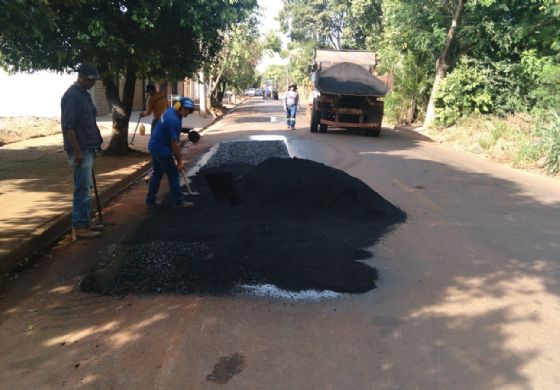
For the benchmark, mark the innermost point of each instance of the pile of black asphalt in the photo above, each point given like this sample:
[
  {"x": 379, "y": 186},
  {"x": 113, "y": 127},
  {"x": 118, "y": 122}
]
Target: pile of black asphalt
[{"x": 294, "y": 223}]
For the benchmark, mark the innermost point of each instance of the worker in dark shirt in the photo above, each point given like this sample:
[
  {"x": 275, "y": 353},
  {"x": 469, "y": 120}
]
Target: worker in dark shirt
[
  {"x": 163, "y": 146},
  {"x": 82, "y": 140}
]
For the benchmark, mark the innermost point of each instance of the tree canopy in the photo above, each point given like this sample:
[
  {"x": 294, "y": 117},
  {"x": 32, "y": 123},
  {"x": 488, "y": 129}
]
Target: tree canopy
[
  {"x": 235, "y": 66},
  {"x": 421, "y": 42},
  {"x": 165, "y": 39},
  {"x": 331, "y": 23}
]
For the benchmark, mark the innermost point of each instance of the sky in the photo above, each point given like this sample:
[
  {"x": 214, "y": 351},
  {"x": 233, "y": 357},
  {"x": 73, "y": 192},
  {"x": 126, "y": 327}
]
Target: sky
[{"x": 270, "y": 10}]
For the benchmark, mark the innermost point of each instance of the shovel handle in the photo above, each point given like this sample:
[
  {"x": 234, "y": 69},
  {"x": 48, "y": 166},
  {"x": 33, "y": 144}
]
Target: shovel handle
[{"x": 186, "y": 180}]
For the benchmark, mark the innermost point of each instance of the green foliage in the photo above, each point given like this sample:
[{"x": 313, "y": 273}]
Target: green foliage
[
  {"x": 156, "y": 39},
  {"x": 278, "y": 75},
  {"x": 235, "y": 66},
  {"x": 272, "y": 43},
  {"x": 165, "y": 39},
  {"x": 244, "y": 53},
  {"x": 300, "y": 55},
  {"x": 547, "y": 129},
  {"x": 504, "y": 29},
  {"x": 481, "y": 87},
  {"x": 410, "y": 92},
  {"x": 331, "y": 23},
  {"x": 544, "y": 74}
]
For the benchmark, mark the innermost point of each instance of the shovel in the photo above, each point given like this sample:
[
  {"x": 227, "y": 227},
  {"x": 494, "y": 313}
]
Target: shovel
[
  {"x": 189, "y": 191},
  {"x": 98, "y": 202}
]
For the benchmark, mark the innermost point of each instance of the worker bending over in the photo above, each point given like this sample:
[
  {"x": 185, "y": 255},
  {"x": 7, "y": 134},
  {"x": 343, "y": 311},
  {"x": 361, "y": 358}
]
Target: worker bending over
[{"x": 163, "y": 146}]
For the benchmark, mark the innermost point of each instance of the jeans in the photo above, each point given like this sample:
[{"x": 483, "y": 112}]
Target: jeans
[
  {"x": 164, "y": 165},
  {"x": 291, "y": 115},
  {"x": 81, "y": 202}
]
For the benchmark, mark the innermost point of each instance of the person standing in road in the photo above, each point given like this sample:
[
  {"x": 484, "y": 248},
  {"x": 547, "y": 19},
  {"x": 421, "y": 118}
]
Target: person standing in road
[
  {"x": 157, "y": 103},
  {"x": 82, "y": 140},
  {"x": 291, "y": 105},
  {"x": 163, "y": 146}
]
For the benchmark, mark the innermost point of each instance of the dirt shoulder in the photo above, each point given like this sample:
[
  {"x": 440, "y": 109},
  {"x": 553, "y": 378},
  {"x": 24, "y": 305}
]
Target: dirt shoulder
[{"x": 14, "y": 129}]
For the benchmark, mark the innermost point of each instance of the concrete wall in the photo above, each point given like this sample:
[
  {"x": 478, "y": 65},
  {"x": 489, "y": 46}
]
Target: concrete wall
[{"x": 36, "y": 94}]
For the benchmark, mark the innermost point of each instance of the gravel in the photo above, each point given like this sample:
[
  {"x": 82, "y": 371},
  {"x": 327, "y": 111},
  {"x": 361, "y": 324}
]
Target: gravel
[
  {"x": 295, "y": 229},
  {"x": 247, "y": 152}
]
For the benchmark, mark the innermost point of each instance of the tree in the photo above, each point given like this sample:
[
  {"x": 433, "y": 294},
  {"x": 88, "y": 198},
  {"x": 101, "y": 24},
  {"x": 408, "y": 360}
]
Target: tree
[
  {"x": 443, "y": 62},
  {"x": 331, "y": 23},
  {"x": 236, "y": 64},
  {"x": 435, "y": 32},
  {"x": 163, "y": 39},
  {"x": 272, "y": 43}
]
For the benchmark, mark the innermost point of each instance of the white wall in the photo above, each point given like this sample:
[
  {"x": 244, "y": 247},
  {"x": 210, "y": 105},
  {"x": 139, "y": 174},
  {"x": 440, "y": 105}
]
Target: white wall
[{"x": 35, "y": 94}]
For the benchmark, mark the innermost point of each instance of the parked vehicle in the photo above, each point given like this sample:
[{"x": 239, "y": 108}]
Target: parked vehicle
[
  {"x": 250, "y": 92},
  {"x": 346, "y": 94},
  {"x": 270, "y": 93}
]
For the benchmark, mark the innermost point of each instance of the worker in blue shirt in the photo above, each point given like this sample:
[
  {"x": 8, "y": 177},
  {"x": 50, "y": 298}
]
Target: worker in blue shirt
[{"x": 163, "y": 146}]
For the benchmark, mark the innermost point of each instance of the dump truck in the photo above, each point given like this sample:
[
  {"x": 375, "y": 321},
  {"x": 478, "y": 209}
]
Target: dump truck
[{"x": 346, "y": 94}]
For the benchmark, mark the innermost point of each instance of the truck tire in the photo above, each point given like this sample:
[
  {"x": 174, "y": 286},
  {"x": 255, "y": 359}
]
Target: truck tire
[
  {"x": 314, "y": 125},
  {"x": 373, "y": 132},
  {"x": 324, "y": 108}
]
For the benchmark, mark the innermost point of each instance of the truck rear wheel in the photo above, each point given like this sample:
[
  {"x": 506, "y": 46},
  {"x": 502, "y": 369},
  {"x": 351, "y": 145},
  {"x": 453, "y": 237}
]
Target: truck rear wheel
[
  {"x": 322, "y": 128},
  {"x": 315, "y": 116},
  {"x": 372, "y": 132}
]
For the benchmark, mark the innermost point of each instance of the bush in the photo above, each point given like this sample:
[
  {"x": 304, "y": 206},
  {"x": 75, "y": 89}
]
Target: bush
[
  {"x": 481, "y": 87},
  {"x": 407, "y": 100},
  {"x": 549, "y": 131}
]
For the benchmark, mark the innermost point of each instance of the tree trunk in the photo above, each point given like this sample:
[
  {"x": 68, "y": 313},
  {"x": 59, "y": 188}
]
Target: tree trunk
[
  {"x": 214, "y": 87},
  {"x": 121, "y": 110},
  {"x": 411, "y": 112},
  {"x": 202, "y": 95},
  {"x": 221, "y": 91},
  {"x": 442, "y": 64}
]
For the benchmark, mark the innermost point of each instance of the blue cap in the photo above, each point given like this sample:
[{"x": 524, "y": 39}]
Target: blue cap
[{"x": 187, "y": 103}]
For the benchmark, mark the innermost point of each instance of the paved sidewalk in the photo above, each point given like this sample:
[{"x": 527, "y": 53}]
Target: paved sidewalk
[{"x": 36, "y": 186}]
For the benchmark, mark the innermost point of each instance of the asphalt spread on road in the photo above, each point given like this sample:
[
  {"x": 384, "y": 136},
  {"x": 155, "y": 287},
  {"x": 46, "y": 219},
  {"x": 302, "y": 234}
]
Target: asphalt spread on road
[{"x": 293, "y": 223}]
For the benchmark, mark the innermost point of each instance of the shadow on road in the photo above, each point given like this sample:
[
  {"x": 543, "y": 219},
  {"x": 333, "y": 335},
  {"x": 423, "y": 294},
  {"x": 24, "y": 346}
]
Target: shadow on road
[{"x": 420, "y": 329}]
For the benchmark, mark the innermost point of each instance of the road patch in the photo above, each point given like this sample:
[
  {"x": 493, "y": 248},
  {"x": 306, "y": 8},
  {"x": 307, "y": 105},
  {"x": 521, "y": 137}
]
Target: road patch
[{"x": 297, "y": 225}]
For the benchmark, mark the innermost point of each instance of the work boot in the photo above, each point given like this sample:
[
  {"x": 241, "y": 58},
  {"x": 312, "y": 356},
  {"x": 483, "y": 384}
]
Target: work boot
[
  {"x": 96, "y": 227},
  {"x": 84, "y": 233},
  {"x": 157, "y": 203},
  {"x": 183, "y": 205}
]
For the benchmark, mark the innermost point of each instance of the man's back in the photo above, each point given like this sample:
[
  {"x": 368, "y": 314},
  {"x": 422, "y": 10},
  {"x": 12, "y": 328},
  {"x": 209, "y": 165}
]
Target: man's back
[
  {"x": 168, "y": 128},
  {"x": 157, "y": 103}
]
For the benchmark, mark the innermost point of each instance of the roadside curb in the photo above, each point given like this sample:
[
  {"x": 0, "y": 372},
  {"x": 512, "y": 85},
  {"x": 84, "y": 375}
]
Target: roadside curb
[
  {"x": 413, "y": 132},
  {"x": 53, "y": 230}
]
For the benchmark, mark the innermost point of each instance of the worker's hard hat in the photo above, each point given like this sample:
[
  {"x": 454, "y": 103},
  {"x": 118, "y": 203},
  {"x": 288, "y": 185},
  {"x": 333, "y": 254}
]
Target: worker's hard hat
[
  {"x": 184, "y": 102},
  {"x": 187, "y": 103}
]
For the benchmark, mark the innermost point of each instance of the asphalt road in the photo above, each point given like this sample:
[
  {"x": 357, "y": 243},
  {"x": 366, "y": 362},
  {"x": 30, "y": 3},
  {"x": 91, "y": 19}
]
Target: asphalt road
[{"x": 468, "y": 295}]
